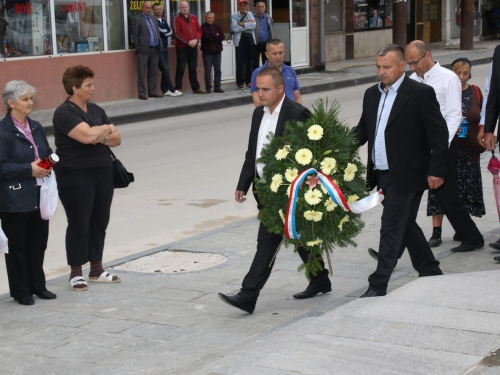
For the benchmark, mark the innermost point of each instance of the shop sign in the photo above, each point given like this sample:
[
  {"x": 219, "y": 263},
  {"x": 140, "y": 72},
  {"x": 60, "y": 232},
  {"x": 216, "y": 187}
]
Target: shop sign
[{"x": 73, "y": 7}]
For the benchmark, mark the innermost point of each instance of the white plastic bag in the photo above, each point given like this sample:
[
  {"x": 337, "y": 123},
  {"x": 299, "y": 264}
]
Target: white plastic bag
[
  {"x": 4, "y": 246},
  {"x": 49, "y": 196}
]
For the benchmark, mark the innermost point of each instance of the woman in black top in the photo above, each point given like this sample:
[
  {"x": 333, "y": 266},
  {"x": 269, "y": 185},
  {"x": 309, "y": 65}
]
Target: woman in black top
[
  {"x": 23, "y": 144},
  {"x": 82, "y": 133}
]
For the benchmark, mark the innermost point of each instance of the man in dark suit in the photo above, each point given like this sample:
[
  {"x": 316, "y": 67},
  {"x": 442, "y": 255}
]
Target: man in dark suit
[
  {"x": 492, "y": 113},
  {"x": 271, "y": 116},
  {"x": 407, "y": 144},
  {"x": 148, "y": 45}
]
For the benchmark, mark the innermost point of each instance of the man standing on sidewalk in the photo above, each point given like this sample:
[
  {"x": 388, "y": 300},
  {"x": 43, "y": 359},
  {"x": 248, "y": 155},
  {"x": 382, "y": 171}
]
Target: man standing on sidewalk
[
  {"x": 242, "y": 26},
  {"x": 264, "y": 32},
  {"x": 402, "y": 123},
  {"x": 167, "y": 87},
  {"x": 147, "y": 44},
  {"x": 211, "y": 48},
  {"x": 187, "y": 32},
  {"x": 275, "y": 111},
  {"x": 275, "y": 52}
]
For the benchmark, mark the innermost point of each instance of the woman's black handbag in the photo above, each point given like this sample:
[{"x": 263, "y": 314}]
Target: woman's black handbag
[{"x": 123, "y": 178}]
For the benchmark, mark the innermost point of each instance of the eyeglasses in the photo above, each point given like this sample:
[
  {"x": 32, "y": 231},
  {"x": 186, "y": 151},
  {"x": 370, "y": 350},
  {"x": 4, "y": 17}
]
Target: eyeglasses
[{"x": 415, "y": 63}]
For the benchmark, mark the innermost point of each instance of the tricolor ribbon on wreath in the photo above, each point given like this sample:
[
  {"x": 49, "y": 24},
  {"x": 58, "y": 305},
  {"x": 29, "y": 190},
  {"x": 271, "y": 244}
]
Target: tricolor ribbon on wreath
[{"x": 333, "y": 191}]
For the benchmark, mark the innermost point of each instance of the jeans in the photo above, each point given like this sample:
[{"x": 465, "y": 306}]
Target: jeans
[
  {"x": 166, "y": 82},
  {"x": 208, "y": 62}
]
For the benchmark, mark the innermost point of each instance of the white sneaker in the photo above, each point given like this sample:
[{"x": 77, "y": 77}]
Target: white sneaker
[
  {"x": 177, "y": 93},
  {"x": 169, "y": 93}
]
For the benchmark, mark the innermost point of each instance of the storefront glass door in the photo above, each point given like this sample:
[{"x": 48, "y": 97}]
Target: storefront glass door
[{"x": 299, "y": 33}]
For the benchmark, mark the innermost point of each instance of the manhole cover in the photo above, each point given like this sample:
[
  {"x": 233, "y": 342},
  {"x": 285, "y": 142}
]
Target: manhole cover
[{"x": 173, "y": 261}]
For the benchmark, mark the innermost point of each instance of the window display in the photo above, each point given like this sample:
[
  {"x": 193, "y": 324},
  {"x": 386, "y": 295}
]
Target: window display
[
  {"x": 372, "y": 14},
  {"x": 25, "y": 28}
]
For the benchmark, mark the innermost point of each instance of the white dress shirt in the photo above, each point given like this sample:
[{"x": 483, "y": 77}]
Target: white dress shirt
[
  {"x": 267, "y": 125},
  {"x": 448, "y": 93},
  {"x": 485, "y": 96},
  {"x": 379, "y": 155}
]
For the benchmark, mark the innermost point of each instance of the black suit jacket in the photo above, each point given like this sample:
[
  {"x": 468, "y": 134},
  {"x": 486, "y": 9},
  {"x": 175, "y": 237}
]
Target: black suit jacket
[
  {"x": 290, "y": 111},
  {"x": 141, "y": 35},
  {"x": 493, "y": 102},
  {"x": 415, "y": 127}
]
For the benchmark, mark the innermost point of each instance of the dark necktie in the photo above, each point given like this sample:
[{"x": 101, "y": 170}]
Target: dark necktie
[{"x": 153, "y": 30}]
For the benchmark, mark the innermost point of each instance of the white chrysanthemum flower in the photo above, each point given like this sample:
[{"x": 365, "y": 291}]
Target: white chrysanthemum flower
[
  {"x": 282, "y": 153},
  {"x": 314, "y": 243},
  {"x": 345, "y": 219},
  {"x": 313, "y": 196},
  {"x": 350, "y": 172},
  {"x": 291, "y": 174},
  {"x": 352, "y": 198},
  {"x": 330, "y": 205},
  {"x": 282, "y": 215},
  {"x": 303, "y": 156},
  {"x": 276, "y": 182},
  {"x": 288, "y": 190},
  {"x": 328, "y": 165},
  {"x": 313, "y": 215},
  {"x": 315, "y": 132}
]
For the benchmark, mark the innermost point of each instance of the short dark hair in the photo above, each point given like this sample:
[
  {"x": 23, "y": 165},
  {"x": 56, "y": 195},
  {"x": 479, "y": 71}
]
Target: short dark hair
[
  {"x": 74, "y": 77},
  {"x": 400, "y": 52},
  {"x": 156, "y": 5},
  {"x": 274, "y": 73},
  {"x": 273, "y": 42},
  {"x": 209, "y": 13}
]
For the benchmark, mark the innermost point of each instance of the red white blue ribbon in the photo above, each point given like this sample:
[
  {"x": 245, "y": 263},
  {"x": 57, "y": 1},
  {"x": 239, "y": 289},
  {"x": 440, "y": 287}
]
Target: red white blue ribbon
[{"x": 333, "y": 191}]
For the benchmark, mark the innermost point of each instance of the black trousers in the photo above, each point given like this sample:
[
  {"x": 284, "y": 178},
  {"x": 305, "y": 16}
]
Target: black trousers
[
  {"x": 208, "y": 62},
  {"x": 399, "y": 226},
  {"x": 190, "y": 56},
  {"x": 453, "y": 208},
  {"x": 244, "y": 60},
  {"x": 166, "y": 83},
  {"x": 259, "y": 51},
  {"x": 147, "y": 62},
  {"x": 86, "y": 195},
  {"x": 28, "y": 234}
]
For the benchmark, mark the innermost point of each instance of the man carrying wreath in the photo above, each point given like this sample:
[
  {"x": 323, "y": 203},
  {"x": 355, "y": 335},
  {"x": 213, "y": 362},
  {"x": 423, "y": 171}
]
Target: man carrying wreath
[{"x": 271, "y": 116}]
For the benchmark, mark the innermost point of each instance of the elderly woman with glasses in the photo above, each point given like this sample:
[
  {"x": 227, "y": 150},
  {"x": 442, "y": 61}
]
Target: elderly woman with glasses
[{"x": 23, "y": 143}]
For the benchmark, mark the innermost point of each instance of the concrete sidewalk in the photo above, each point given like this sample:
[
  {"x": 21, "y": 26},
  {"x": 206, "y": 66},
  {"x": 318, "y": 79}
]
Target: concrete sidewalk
[
  {"x": 337, "y": 75},
  {"x": 175, "y": 324}
]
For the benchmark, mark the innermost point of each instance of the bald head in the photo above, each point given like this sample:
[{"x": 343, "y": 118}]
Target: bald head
[
  {"x": 184, "y": 8},
  {"x": 419, "y": 57},
  {"x": 146, "y": 8}
]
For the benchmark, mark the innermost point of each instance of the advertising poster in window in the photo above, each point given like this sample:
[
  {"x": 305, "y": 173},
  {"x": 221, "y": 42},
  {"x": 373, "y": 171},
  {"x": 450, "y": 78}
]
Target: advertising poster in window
[{"x": 372, "y": 14}]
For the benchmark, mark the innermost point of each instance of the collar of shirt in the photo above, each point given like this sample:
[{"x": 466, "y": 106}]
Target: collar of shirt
[
  {"x": 277, "y": 109},
  {"x": 432, "y": 71},
  {"x": 394, "y": 86}
]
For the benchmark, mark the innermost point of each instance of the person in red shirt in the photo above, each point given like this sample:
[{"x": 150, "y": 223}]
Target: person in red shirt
[{"x": 187, "y": 32}]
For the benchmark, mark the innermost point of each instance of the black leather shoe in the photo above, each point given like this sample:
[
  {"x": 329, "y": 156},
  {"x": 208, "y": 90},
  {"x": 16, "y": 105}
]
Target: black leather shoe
[
  {"x": 46, "y": 295},
  {"x": 372, "y": 293},
  {"x": 27, "y": 300},
  {"x": 497, "y": 259},
  {"x": 373, "y": 253},
  {"x": 457, "y": 237},
  {"x": 434, "y": 242},
  {"x": 239, "y": 302},
  {"x": 220, "y": 91},
  {"x": 313, "y": 289},
  {"x": 464, "y": 247},
  {"x": 495, "y": 245}
]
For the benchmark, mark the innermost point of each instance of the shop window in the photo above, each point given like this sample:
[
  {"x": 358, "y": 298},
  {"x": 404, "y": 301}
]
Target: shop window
[
  {"x": 25, "y": 28},
  {"x": 299, "y": 13},
  {"x": 78, "y": 26},
  {"x": 222, "y": 13},
  {"x": 114, "y": 24},
  {"x": 372, "y": 14},
  {"x": 333, "y": 15}
]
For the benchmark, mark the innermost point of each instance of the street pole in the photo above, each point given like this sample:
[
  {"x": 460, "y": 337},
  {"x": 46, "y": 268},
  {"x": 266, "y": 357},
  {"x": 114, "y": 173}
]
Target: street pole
[
  {"x": 399, "y": 23},
  {"x": 467, "y": 25}
]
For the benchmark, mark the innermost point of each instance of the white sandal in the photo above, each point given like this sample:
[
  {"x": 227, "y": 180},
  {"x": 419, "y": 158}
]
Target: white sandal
[
  {"x": 78, "y": 284},
  {"x": 105, "y": 277}
]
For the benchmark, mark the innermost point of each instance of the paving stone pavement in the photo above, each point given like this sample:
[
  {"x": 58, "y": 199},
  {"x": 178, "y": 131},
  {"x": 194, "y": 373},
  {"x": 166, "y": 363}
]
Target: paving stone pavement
[{"x": 176, "y": 324}]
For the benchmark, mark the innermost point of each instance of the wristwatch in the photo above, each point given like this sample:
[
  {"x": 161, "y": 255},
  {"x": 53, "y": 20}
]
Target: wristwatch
[{"x": 105, "y": 140}]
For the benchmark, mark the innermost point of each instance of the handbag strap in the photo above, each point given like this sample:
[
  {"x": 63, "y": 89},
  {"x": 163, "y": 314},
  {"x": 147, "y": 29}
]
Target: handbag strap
[{"x": 113, "y": 156}]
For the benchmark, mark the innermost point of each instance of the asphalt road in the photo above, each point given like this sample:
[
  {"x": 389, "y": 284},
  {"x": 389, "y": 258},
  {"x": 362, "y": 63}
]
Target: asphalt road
[{"x": 186, "y": 171}]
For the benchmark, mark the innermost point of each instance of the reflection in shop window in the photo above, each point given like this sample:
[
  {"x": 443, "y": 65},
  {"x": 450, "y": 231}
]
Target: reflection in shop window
[
  {"x": 78, "y": 26},
  {"x": 333, "y": 15},
  {"x": 114, "y": 23},
  {"x": 25, "y": 28},
  {"x": 372, "y": 14}
]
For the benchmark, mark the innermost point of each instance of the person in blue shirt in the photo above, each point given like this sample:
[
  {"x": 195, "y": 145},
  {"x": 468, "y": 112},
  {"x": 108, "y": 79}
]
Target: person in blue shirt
[
  {"x": 275, "y": 53},
  {"x": 167, "y": 87},
  {"x": 264, "y": 32}
]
